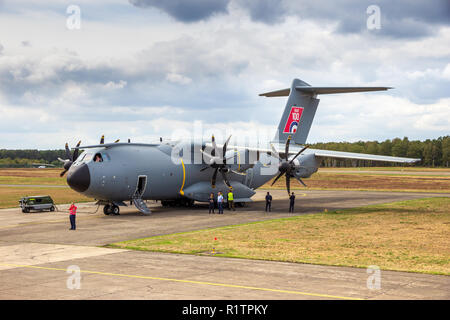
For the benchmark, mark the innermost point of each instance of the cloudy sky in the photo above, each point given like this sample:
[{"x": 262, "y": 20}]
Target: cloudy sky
[{"x": 141, "y": 69}]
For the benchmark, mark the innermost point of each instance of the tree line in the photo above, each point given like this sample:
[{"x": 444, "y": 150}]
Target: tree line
[{"x": 433, "y": 153}]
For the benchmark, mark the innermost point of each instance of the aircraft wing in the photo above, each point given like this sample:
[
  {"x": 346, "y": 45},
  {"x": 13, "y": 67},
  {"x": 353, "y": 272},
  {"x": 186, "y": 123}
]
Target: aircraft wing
[
  {"x": 293, "y": 149},
  {"x": 358, "y": 156},
  {"x": 117, "y": 144}
]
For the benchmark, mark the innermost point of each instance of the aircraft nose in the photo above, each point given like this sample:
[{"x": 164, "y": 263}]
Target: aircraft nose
[{"x": 79, "y": 178}]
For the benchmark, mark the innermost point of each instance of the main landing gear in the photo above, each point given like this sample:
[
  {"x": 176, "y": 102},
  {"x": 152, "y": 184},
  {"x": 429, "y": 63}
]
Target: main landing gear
[{"x": 111, "y": 209}]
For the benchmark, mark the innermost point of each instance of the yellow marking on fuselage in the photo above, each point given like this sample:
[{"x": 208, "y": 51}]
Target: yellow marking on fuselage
[{"x": 184, "y": 178}]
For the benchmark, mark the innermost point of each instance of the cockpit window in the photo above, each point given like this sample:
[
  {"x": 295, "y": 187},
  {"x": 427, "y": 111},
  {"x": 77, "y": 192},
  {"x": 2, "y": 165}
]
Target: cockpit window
[
  {"x": 83, "y": 158},
  {"x": 101, "y": 157},
  {"x": 98, "y": 157}
]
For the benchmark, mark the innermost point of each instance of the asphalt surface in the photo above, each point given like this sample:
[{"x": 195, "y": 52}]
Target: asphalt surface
[{"x": 36, "y": 249}]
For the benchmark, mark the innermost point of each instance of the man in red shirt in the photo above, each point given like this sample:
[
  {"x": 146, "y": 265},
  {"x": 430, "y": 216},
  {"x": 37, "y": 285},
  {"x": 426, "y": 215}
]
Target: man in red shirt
[{"x": 72, "y": 215}]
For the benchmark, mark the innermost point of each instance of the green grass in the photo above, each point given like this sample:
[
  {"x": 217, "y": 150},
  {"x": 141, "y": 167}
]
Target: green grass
[
  {"x": 10, "y": 196},
  {"x": 33, "y": 180},
  {"x": 410, "y": 236}
]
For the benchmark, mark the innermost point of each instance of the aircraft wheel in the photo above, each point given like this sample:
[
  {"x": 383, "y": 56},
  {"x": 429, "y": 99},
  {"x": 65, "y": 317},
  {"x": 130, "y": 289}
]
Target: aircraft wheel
[
  {"x": 107, "y": 209},
  {"x": 52, "y": 208},
  {"x": 115, "y": 210}
]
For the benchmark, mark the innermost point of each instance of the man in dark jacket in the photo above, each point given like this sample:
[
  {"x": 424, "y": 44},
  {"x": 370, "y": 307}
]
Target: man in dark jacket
[
  {"x": 268, "y": 201},
  {"x": 291, "y": 202},
  {"x": 211, "y": 203}
]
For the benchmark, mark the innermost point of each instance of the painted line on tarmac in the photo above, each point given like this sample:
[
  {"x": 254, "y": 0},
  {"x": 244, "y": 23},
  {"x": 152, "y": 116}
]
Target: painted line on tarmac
[{"x": 189, "y": 281}]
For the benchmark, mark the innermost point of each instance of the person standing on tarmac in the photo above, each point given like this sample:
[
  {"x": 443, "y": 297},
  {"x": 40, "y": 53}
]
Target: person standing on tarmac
[
  {"x": 231, "y": 200},
  {"x": 220, "y": 202},
  {"x": 211, "y": 203},
  {"x": 268, "y": 201},
  {"x": 291, "y": 202},
  {"x": 72, "y": 215}
]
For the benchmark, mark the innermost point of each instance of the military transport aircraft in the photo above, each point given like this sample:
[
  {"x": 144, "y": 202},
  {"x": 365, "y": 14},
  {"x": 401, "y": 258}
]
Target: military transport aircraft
[{"x": 115, "y": 173}]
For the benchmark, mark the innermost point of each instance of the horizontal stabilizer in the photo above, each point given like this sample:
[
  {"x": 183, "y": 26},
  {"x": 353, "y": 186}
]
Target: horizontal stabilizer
[{"x": 322, "y": 90}]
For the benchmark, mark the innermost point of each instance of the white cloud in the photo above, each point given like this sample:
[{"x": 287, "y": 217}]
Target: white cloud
[{"x": 148, "y": 76}]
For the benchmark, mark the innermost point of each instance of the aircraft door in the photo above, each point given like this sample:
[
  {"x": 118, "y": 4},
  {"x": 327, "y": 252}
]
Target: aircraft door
[{"x": 141, "y": 186}]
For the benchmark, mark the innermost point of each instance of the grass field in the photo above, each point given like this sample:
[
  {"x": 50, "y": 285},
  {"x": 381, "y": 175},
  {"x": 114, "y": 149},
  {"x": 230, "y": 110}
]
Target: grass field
[
  {"x": 369, "y": 181},
  {"x": 411, "y": 235},
  {"x": 9, "y": 196},
  {"x": 339, "y": 179},
  {"x": 32, "y": 176}
]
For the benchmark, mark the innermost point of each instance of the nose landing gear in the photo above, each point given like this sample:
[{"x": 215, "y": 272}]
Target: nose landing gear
[{"x": 111, "y": 209}]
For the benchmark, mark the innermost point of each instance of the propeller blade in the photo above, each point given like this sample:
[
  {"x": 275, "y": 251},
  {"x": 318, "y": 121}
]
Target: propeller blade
[
  {"x": 225, "y": 178},
  {"x": 102, "y": 139},
  {"x": 76, "y": 151},
  {"x": 274, "y": 152},
  {"x": 288, "y": 183},
  {"x": 213, "y": 152},
  {"x": 68, "y": 155},
  {"x": 278, "y": 177},
  {"x": 61, "y": 160},
  {"x": 224, "y": 150},
  {"x": 213, "y": 180},
  {"x": 208, "y": 156},
  {"x": 62, "y": 173},
  {"x": 292, "y": 160},
  {"x": 117, "y": 141},
  {"x": 288, "y": 142},
  {"x": 301, "y": 181}
]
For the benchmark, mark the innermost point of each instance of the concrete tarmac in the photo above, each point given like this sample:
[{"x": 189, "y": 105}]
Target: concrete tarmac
[{"x": 37, "y": 248}]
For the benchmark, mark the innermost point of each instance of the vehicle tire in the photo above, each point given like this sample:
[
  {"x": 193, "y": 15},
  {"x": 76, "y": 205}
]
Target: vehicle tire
[
  {"x": 107, "y": 209},
  {"x": 26, "y": 210},
  {"x": 52, "y": 208},
  {"x": 115, "y": 210}
]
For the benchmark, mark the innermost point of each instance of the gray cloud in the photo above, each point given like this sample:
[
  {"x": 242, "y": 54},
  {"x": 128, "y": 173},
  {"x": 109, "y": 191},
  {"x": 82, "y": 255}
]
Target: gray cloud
[
  {"x": 186, "y": 10},
  {"x": 399, "y": 19},
  {"x": 267, "y": 11}
]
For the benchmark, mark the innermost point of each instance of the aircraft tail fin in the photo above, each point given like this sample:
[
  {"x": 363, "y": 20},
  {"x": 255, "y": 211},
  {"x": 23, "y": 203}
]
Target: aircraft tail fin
[{"x": 301, "y": 108}]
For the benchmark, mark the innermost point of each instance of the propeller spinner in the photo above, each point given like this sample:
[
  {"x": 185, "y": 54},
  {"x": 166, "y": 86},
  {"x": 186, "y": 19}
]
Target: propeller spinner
[
  {"x": 70, "y": 158},
  {"x": 287, "y": 167},
  {"x": 218, "y": 162}
]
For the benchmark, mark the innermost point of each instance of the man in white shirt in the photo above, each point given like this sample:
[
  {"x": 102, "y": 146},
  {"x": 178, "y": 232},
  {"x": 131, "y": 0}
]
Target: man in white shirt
[{"x": 220, "y": 202}]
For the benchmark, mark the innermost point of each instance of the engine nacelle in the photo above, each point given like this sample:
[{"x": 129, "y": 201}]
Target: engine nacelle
[{"x": 306, "y": 165}]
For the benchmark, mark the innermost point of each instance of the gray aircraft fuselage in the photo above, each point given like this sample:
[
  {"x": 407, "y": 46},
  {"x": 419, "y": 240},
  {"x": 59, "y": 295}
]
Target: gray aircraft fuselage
[
  {"x": 116, "y": 177},
  {"x": 137, "y": 172}
]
